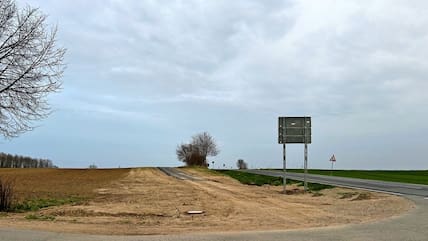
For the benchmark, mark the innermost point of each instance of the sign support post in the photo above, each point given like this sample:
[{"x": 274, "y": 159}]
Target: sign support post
[
  {"x": 294, "y": 130},
  {"x": 284, "y": 177},
  {"x": 306, "y": 167},
  {"x": 305, "y": 156},
  {"x": 333, "y": 160}
]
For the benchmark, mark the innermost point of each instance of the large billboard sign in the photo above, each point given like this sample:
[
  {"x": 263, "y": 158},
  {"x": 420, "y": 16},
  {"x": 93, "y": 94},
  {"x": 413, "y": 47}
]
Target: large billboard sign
[{"x": 294, "y": 130}]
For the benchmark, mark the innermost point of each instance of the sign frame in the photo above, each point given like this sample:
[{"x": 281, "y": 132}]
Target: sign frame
[{"x": 295, "y": 130}]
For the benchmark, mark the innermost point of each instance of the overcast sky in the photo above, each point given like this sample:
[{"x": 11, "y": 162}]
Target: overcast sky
[{"x": 144, "y": 76}]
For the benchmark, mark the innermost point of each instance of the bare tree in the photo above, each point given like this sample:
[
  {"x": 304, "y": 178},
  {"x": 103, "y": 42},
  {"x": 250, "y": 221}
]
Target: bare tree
[
  {"x": 196, "y": 152},
  {"x": 206, "y": 144},
  {"x": 241, "y": 164},
  {"x": 31, "y": 67},
  {"x": 189, "y": 154},
  {"x": 184, "y": 152}
]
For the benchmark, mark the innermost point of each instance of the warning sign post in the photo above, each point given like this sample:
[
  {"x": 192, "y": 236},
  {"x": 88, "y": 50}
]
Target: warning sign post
[{"x": 332, "y": 160}]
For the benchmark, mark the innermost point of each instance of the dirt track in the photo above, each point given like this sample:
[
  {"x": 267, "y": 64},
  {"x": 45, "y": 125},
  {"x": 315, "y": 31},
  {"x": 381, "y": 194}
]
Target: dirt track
[{"x": 149, "y": 202}]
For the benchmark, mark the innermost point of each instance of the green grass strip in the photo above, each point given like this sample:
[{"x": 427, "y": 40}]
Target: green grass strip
[
  {"x": 259, "y": 180},
  {"x": 37, "y": 204},
  {"x": 415, "y": 177}
]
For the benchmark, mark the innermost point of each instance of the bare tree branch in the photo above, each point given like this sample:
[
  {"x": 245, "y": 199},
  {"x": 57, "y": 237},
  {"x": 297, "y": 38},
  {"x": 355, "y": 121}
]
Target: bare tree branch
[{"x": 31, "y": 67}]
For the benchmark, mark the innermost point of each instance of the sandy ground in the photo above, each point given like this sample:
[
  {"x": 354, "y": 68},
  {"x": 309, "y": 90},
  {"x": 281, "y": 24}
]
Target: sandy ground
[{"x": 148, "y": 202}]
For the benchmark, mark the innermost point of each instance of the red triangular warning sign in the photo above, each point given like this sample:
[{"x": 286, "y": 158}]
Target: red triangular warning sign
[{"x": 333, "y": 158}]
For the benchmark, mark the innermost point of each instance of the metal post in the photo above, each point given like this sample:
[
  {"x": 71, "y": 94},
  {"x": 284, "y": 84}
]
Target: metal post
[
  {"x": 306, "y": 166},
  {"x": 331, "y": 170},
  {"x": 284, "y": 178},
  {"x": 305, "y": 155}
]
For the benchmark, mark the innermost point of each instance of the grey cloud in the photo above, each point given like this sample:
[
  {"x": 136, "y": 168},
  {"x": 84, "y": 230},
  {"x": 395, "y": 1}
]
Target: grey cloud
[
  {"x": 260, "y": 54},
  {"x": 350, "y": 54}
]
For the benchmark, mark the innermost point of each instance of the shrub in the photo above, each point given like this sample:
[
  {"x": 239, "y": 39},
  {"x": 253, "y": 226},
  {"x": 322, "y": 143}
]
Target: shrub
[
  {"x": 6, "y": 193},
  {"x": 196, "y": 152},
  {"x": 241, "y": 164},
  {"x": 93, "y": 166}
]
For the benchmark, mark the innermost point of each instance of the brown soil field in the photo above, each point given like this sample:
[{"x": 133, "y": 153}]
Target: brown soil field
[
  {"x": 145, "y": 201},
  {"x": 34, "y": 183}
]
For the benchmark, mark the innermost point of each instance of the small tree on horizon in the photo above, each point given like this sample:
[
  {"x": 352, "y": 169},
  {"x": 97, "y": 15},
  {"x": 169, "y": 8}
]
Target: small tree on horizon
[
  {"x": 196, "y": 152},
  {"x": 93, "y": 166},
  {"x": 189, "y": 154}
]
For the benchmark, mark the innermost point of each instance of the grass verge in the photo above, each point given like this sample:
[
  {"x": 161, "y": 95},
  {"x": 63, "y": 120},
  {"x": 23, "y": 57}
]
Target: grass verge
[
  {"x": 415, "y": 177},
  {"x": 259, "y": 180},
  {"x": 37, "y": 204},
  {"x": 200, "y": 169}
]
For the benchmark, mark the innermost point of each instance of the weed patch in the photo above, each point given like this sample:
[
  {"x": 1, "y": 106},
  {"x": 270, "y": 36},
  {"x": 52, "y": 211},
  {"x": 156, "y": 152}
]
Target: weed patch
[
  {"x": 37, "y": 204},
  {"x": 317, "y": 194},
  {"x": 315, "y": 187},
  {"x": 362, "y": 196},
  {"x": 40, "y": 217},
  {"x": 346, "y": 195}
]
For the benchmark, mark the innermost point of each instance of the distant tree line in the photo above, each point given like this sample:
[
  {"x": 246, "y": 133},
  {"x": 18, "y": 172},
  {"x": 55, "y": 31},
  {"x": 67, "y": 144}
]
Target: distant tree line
[{"x": 16, "y": 161}]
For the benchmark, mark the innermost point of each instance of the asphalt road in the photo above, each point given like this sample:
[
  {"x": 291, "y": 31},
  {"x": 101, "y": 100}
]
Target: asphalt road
[
  {"x": 391, "y": 187},
  {"x": 175, "y": 172}
]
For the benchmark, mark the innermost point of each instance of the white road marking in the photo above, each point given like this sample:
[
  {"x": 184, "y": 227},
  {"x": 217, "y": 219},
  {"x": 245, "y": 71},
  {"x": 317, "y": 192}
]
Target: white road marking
[{"x": 426, "y": 198}]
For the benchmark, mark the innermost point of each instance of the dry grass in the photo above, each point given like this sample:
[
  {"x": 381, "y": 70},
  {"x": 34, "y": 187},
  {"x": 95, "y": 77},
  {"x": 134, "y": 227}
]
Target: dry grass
[
  {"x": 145, "y": 201},
  {"x": 35, "y": 183}
]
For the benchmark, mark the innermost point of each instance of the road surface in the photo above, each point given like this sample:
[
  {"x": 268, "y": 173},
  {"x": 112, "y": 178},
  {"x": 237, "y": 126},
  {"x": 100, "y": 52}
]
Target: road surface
[
  {"x": 391, "y": 187},
  {"x": 175, "y": 172}
]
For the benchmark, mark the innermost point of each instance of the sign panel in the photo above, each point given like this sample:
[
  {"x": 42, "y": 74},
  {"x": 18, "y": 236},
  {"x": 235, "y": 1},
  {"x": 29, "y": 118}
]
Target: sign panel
[
  {"x": 294, "y": 130},
  {"x": 297, "y": 139}
]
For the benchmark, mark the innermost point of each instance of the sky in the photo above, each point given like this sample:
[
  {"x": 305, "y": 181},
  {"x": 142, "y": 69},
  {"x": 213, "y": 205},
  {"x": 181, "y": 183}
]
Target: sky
[{"x": 145, "y": 76}]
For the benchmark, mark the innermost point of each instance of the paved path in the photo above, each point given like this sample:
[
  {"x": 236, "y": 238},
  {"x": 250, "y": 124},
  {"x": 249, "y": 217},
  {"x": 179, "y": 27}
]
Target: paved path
[
  {"x": 392, "y": 187},
  {"x": 175, "y": 172}
]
